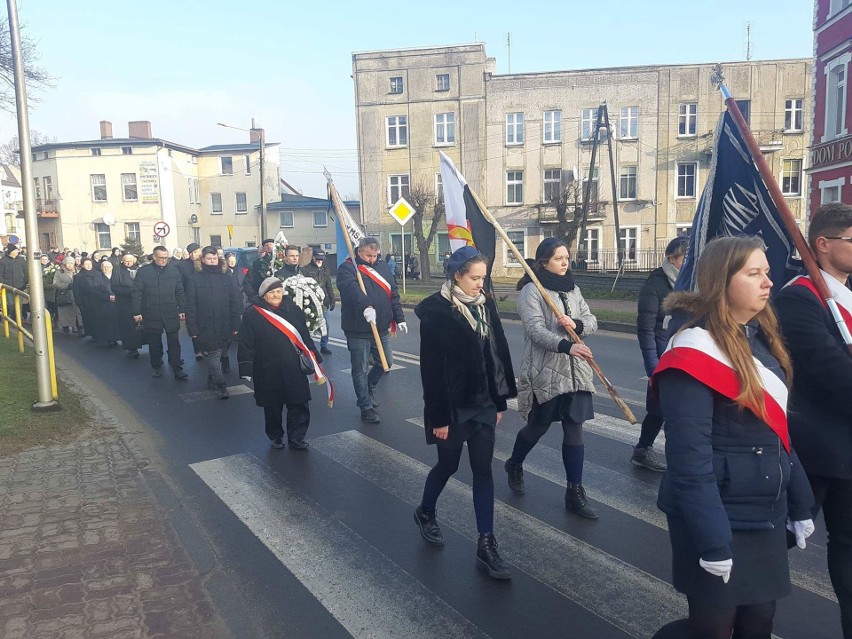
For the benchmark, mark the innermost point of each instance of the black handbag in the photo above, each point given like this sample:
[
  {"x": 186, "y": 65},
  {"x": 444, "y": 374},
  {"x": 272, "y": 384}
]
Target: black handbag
[{"x": 306, "y": 365}]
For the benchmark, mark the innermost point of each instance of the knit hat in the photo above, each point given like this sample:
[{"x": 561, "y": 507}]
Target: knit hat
[
  {"x": 269, "y": 284},
  {"x": 10, "y": 247},
  {"x": 192, "y": 247},
  {"x": 674, "y": 246},
  {"x": 459, "y": 258}
]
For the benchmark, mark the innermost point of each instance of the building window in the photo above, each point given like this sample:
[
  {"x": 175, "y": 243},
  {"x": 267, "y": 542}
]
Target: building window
[
  {"x": 593, "y": 244},
  {"x": 37, "y": 183},
  {"x": 320, "y": 219},
  {"x": 285, "y": 219},
  {"x": 687, "y": 121},
  {"x": 215, "y": 240},
  {"x": 196, "y": 235},
  {"x": 514, "y": 187},
  {"x": 836, "y": 6},
  {"x": 95, "y": 150},
  {"x": 514, "y": 128},
  {"x": 552, "y": 184},
  {"x": 629, "y": 241},
  {"x": 593, "y": 189},
  {"x": 686, "y": 179},
  {"x": 397, "y": 130},
  {"x": 443, "y": 80},
  {"x": 830, "y": 190},
  {"x": 132, "y": 231},
  {"x": 48, "y": 187},
  {"x": 397, "y": 188},
  {"x": 791, "y": 177},
  {"x": 552, "y": 127},
  {"x": 99, "y": 191},
  {"x": 247, "y": 159},
  {"x": 439, "y": 188},
  {"x": 835, "y": 98},
  {"x": 629, "y": 123},
  {"x": 104, "y": 239},
  {"x": 396, "y": 84},
  {"x": 445, "y": 128},
  {"x": 683, "y": 231},
  {"x": 794, "y": 114},
  {"x": 216, "y": 203},
  {"x": 226, "y": 165},
  {"x": 519, "y": 239},
  {"x": 745, "y": 108},
  {"x": 242, "y": 206},
  {"x": 44, "y": 155},
  {"x": 627, "y": 183},
  {"x": 128, "y": 187},
  {"x": 127, "y": 150},
  {"x": 192, "y": 187}
]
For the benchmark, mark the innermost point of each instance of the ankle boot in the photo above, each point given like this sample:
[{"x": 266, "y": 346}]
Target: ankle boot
[
  {"x": 515, "y": 477},
  {"x": 429, "y": 526},
  {"x": 487, "y": 558},
  {"x": 575, "y": 501}
]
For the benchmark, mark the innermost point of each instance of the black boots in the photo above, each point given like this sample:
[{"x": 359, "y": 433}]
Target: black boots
[
  {"x": 488, "y": 560},
  {"x": 516, "y": 477},
  {"x": 575, "y": 501},
  {"x": 428, "y": 526}
]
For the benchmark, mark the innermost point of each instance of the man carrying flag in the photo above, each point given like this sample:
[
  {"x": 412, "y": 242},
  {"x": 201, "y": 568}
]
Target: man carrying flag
[{"x": 820, "y": 408}]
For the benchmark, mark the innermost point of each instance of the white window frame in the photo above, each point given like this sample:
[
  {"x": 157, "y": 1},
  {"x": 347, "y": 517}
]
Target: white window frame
[
  {"x": 624, "y": 172},
  {"x": 826, "y": 185},
  {"x": 393, "y": 84},
  {"x": 37, "y": 183},
  {"x": 789, "y": 174},
  {"x": 836, "y": 6},
  {"x": 445, "y": 129},
  {"x": 125, "y": 184},
  {"x": 439, "y": 186},
  {"x": 222, "y": 159},
  {"x": 400, "y": 182},
  {"x": 399, "y": 125},
  {"x": 439, "y": 81},
  {"x": 237, "y": 209},
  {"x": 687, "y": 114},
  {"x": 48, "y": 187},
  {"x": 508, "y": 257},
  {"x": 102, "y": 230},
  {"x": 593, "y": 233},
  {"x": 324, "y": 219},
  {"x": 629, "y": 123},
  {"x": 831, "y": 92},
  {"x": 545, "y": 181},
  {"x": 513, "y": 182},
  {"x": 99, "y": 183},
  {"x": 213, "y": 210},
  {"x": 133, "y": 231},
  {"x": 694, "y": 181},
  {"x": 247, "y": 160},
  {"x": 282, "y": 222},
  {"x": 588, "y": 119},
  {"x": 794, "y": 109},
  {"x": 551, "y": 128},
  {"x": 637, "y": 236},
  {"x": 515, "y": 128}
]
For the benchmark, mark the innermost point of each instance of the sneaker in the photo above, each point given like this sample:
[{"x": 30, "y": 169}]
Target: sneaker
[
  {"x": 370, "y": 416},
  {"x": 180, "y": 375},
  {"x": 648, "y": 458},
  {"x": 325, "y": 350},
  {"x": 278, "y": 442},
  {"x": 516, "y": 477},
  {"x": 298, "y": 444},
  {"x": 157, "y": 372}
]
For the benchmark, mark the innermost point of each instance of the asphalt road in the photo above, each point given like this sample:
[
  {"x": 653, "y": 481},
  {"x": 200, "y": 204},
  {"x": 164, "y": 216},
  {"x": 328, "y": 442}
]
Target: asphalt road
[{"x": 323, "y": 544}]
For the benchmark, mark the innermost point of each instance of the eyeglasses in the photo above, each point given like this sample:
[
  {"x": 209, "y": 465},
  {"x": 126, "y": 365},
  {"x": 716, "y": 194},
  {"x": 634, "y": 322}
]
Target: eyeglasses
[{"x": 838, "y": 237}]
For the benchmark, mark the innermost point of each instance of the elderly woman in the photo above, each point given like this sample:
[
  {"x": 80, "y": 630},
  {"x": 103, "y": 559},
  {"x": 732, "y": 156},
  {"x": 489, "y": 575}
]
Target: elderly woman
[
  {"x": 70, "y": 319},
  {"x": 103, "y": 305},
  {"x": 271, "y": 357},
  {"x": 122, "y": 286}
]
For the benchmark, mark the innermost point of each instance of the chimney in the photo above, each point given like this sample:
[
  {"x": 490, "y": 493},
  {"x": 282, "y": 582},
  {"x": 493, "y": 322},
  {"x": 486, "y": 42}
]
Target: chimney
[
  {"x": 139, "y": 129},
  {"x": 106, "y": 130},
  {"x": 254, "y": 136}
]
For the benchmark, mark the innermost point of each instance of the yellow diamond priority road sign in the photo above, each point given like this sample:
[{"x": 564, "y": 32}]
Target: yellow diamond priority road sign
[{"x": 401, "y": 211}]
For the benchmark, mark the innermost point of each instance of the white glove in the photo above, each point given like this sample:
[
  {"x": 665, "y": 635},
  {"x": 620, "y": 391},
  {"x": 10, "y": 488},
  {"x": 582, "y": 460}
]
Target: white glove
[
  {"x": 403, "y": 327},
  {"x": 802, "y": 530},
  {"x": 718, "y": 568},
  {"x": 370, "y": 314},
  {"x": 246, "y": 377}
]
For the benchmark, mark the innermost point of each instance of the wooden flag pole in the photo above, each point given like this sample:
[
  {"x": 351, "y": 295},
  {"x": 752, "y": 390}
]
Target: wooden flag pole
[
  {"x": 334, "y": 199},
  {"x": 574, "y": 337}
]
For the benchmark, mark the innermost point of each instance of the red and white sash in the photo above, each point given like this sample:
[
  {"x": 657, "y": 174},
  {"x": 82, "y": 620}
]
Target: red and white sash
[
  {"x": 296, "y": 339},
  {"x": 841, "y": 294},
  {"x": 381, "y": 282},
  {"x": 694, "y": 352}
]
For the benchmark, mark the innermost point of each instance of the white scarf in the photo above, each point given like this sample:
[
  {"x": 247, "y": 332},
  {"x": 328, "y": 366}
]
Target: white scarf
[{"x": 462, "y": 303}]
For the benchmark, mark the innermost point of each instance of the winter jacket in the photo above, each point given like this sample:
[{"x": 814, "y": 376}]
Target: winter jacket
[
  {"x": 454, "y": 367},
  {"x": 158, "y": 296},
  {"x": 322, "y": 277},
  {"x": 353, "y": 301},
  {"x": 820, "y": 412},
  {"x": 186, "y": 268},
  {"x": 13, "y": 272},
  {"x": 649, "y": 320},
  {"x": 63, "y": 284},
  {"x": 545, "y": 372},
  {"x": 727, "y": 470},
  {"x": 213, "y": 306}
]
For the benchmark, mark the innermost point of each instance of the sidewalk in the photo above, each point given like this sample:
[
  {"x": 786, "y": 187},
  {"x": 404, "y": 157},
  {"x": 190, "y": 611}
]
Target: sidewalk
[{"x": 86, "y": 551}]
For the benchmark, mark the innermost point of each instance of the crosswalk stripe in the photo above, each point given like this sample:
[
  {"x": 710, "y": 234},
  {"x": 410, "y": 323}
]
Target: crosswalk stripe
[
  {"x": 369, "y": 594},
  {"x": 630, "y": 599},
  {"x": 239, "y": 389}
]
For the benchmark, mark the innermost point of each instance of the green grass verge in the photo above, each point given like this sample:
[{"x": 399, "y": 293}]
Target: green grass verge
[{"x": 20, "y": 427}]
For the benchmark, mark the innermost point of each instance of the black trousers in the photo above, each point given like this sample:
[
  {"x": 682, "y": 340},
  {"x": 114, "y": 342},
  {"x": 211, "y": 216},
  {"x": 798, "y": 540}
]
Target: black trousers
[
  {"x": 834, "y": 496},
  {"x": 154, "y": 339},
  {"x": 298, "y": 420},
  {"x": 706, "y": 622}
]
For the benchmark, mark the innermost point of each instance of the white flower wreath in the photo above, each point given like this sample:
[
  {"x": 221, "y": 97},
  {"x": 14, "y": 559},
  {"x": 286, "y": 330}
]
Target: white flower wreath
[{"x": 308, "y": 296}]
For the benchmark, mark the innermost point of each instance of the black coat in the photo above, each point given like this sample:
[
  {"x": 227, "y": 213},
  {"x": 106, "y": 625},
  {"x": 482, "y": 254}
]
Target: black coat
[
  {"x": 186, "y": 267},
  {"x": 269, "y": 357},
  {"x": 92, "y": 291},
  {"x": 13, "y": 272},
  {"x": 353, "y": 301},
  {"x": 649, "y": 319},
  {"x": 82, "y": 289},
  {"x": 213, "y": 307},
  {"x": 122, "y": 288},
  {"x": 158, "y": 296},
  {"x": 457, "y": 372},
  {"x": 323, "y": 278},
  {"x": 820, "y": 412}
]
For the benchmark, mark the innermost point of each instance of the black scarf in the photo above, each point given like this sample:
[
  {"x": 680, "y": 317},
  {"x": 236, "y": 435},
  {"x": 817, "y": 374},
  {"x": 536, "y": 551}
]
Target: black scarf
[
  {"x": 550, "y": 281},
  {"x": 208, "y": 268}
]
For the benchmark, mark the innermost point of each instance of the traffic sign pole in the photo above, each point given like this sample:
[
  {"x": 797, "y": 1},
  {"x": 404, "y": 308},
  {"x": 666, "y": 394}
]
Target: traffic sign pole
[{"x": 402, "y": 229}]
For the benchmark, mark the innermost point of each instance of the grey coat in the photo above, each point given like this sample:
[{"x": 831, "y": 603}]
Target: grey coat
[{"x": 545, "y": 372}]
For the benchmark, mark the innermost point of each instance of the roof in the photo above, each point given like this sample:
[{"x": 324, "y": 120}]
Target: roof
[
  {"x": 11, "y": 176},
  {"x": 304, "y": 202},
  {"x": 254, "y": 146},
  {"x": 116, "y": 142}
]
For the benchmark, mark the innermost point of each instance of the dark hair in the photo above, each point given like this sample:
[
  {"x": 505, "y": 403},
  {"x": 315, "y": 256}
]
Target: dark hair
[
  {"x": 547, "y": 249},
  {"x": 160, "y": 248},
  {"x": 367, "y": 241},
  {"x": 677, "y": 247},
  {"x": 290, "y": 247},
  {"x": 832, "y": 218}
]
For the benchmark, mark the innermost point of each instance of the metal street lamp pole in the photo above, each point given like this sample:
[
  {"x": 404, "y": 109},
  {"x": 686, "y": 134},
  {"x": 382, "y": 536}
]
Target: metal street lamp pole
[
  {"x": 45, "y": 395},
  {"x": 261, "y": 135}
]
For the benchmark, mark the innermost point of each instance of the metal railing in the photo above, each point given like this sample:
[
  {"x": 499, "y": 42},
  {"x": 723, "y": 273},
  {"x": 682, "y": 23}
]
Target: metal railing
[
  {"x": 630, "y": 260},
  {"x": 17, "y": 322}
]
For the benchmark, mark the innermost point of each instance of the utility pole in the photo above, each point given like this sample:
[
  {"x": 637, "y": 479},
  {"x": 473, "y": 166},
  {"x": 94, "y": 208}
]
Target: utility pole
[
  {"x": 588, "y": 188},
  {"x": 45, "y": 395},
  {"x": 509, "y": 48},
  {"x": 618, "y": 252},
  {"x": 261, "y": 137}
]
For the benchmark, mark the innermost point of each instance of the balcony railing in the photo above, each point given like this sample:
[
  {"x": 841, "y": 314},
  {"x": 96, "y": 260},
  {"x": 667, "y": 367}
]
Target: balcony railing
[
  {"x": 630, "y": 260},
  {"x": 44, "y": 208}
]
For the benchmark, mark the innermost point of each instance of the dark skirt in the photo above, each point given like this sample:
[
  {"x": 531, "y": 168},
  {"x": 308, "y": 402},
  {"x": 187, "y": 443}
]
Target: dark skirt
[
  {"x": 571, "y": 407},
  {"x": 467, "y": 421},
  {"x": 760, "y": 572}
]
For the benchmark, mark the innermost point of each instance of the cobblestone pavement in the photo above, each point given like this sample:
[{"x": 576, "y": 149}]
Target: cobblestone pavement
[{"x": 86, "y": 551}]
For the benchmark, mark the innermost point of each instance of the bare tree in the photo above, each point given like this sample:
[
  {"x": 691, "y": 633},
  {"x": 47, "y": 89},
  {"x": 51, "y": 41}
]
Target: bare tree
[
  {"x": 567, "y": 200},
  {"x": 10, "y": 151},
  {"x": 37, "y": 78},
  {"x": 426, "y": 206}
]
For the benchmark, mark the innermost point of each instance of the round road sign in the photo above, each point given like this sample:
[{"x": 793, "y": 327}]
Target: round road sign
[{"x": 161, "y": 229}]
